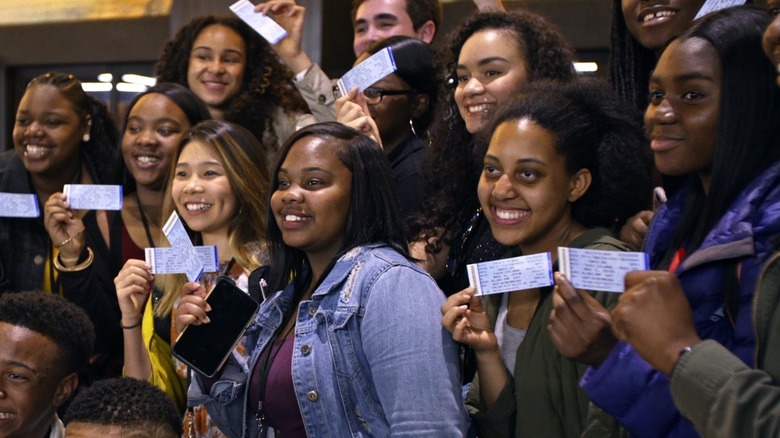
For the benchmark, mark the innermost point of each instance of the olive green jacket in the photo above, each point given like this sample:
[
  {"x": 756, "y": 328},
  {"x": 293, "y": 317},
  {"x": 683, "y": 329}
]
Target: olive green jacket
[
  {"x": 544, "y": 398},
  {"x": 721, "y": 395}
]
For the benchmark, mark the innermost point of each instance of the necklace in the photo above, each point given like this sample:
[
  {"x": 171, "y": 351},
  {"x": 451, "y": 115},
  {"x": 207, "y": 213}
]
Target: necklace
[{"x": 144, "y": 221}]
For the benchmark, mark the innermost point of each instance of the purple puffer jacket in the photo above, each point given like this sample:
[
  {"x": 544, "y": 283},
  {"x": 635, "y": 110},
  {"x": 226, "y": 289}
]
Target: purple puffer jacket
[{"x": 626, "y": 386}]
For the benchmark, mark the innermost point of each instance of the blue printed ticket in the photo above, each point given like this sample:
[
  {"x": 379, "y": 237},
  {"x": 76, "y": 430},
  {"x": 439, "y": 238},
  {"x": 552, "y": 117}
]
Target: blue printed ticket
[
  {"x": 19, "y": 205},
  {"x": 93, "y": 196},
  {"x": 169, "y": 261},
  {"x": 507, "y": 275},
  {"x": 716, "y": 5},
  {"x": 261, "y": 23},
  {"x": 180, "y": 241},
  {"x": 365, "y": 74},
  {"x": 591, "y": 269}
]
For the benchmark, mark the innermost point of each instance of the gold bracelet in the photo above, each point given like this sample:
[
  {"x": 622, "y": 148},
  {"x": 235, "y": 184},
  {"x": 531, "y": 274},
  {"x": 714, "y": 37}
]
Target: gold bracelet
[{"x": 81, "y": 267}]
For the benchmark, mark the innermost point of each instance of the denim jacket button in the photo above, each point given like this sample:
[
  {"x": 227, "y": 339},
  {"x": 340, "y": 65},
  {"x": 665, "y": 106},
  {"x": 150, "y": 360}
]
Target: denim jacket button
[
  {"x": 312, "y": 396},
  {"x": 38, "y": 260},
  {"x": 312, "y": 310},
  {"x": 305, "y": 349}
]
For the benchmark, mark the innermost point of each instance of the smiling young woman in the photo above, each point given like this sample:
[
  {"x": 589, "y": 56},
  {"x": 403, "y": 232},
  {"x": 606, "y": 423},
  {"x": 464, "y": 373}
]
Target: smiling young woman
[
  {"x": 237, "y": 74},
  {"x": 712, "y": 119},
  {"x": 342, "y": 345},
  {"x": 549, "y": 179},
  {"x": 217, "y": 185},
  {"x": 61, "y": 136},
  {"x": 489, "y": 58}
]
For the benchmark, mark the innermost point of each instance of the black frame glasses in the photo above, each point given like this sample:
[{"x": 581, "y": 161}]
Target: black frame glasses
[{"x": 374, "y": 95}]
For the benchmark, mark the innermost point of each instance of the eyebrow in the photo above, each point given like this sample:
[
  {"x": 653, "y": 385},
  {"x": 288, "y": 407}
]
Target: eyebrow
[
  {"x": 45, "y": 113},
  {"x": 484, "y": 61},
  {"x": 521, "y": 160},
  {"x": 21, "y": 365},
  {"x": 161, "y": 120},
  {"x": 380, "y": 16},
  {"x": 200, "y": 163},
  {"x": 306, "y": 169},
  {"x": 211, "y": 49},
  {"x": 687, "y": 77}
]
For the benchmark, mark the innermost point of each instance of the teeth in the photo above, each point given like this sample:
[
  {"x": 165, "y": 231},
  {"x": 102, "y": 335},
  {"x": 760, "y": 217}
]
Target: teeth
[
  {"x": 5, "y": 415},
  {"x": 658, "y": 14},
  {"x": 510, "y": 214},
  {"x": 35, "y": 150},
  {"x": 293, "y": 218},
  {"x": 482, "y": 108},
  {"x": 197, "y": 207},
  {"x": 147, "y": 160}
]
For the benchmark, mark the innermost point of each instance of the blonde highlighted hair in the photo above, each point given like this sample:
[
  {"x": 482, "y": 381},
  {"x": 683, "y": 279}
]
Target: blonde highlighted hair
[{"x": 244, "y": 160}]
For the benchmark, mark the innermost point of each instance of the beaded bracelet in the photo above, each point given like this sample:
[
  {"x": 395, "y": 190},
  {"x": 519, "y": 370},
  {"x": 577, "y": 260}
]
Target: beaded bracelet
[{"x": 81, "y": 267}]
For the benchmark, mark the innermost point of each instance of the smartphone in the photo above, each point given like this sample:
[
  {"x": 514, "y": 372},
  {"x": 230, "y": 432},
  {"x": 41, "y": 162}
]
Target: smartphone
[{"x": 206, "y": 347}]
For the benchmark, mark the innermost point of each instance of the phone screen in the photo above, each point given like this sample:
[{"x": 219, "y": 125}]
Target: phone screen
[{"x": 205, "y": 347}]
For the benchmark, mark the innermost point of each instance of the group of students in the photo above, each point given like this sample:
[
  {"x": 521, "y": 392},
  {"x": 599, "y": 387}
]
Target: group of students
[{"x": 355, "y": 232}]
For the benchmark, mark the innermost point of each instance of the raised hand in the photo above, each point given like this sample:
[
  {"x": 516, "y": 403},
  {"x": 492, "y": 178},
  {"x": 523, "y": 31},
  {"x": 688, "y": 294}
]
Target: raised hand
[
  {"x": 133, "y": 286},
  {"x": 65, "y": 228}
]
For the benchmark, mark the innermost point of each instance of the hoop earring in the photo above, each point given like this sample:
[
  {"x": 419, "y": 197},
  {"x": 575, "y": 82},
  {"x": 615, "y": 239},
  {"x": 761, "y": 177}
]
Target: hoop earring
[{"x": 411, "y": 125}]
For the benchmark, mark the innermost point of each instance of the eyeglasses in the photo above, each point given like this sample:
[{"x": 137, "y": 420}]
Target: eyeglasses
[{"x": 374, "y": 96}]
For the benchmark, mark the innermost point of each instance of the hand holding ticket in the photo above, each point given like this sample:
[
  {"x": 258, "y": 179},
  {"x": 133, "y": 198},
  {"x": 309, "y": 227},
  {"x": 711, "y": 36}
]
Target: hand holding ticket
[
  {"x": 261, "y": 23},
  {"x": 368, "y": 72}
]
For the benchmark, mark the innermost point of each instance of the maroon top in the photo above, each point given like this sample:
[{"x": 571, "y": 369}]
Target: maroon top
[
  {"x": 280, "y": 406},
  {"x": 129, "y": 249}
]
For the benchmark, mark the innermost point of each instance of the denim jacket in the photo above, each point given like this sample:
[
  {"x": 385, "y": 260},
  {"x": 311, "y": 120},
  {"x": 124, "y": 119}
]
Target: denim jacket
[{"x": 370, "y": 356}]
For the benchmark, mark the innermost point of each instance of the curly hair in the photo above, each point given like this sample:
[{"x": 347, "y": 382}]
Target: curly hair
[
  {"x": 593, "y": 130},
  {"x": 453, "y": 170},
  {"x": 55, "y": 318},
  {"x": 267, "y": 82},
  {"x": 126, "y": 402},
  {"x": 102, "y": 146}
]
